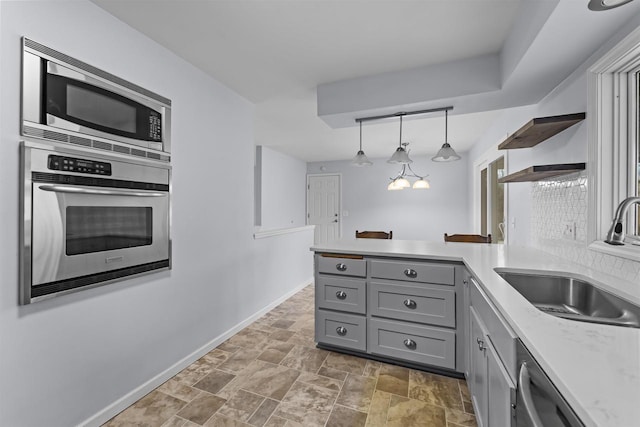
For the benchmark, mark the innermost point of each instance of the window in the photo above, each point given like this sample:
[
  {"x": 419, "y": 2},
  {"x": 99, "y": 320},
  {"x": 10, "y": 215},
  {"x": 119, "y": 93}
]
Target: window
[{"x": 614, "y": 145}]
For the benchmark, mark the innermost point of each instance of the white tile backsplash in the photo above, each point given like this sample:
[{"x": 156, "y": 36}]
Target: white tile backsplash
[{"x": 563, "y": 200}]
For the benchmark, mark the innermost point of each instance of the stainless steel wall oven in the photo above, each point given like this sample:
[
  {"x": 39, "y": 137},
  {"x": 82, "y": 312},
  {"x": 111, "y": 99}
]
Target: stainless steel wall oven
[{"x": 90, "y": 218}]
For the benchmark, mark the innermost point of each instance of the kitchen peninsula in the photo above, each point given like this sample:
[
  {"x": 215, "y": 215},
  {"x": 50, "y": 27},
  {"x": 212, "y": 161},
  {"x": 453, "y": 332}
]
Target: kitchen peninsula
[{"x": 595, "y": 367}]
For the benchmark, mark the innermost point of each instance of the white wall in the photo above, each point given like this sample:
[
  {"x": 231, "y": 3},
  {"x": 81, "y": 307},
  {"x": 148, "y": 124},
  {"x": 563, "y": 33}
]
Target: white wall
[
  {"x": 565, "y": 198},
  {"x": 410, "y": 214},
  {"x": 282, "y": 187},
  {"x": 65, "y": 360}
]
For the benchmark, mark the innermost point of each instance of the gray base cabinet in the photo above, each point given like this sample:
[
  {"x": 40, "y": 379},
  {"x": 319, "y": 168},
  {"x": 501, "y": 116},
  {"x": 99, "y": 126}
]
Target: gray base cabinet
[
  {"x": 490, "y": 375},
  {"x": 400, "y": 309}
]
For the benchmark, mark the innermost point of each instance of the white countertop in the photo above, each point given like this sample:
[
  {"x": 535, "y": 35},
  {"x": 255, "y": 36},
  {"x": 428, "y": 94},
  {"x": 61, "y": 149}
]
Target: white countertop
[{"x": 595, "y": 367}]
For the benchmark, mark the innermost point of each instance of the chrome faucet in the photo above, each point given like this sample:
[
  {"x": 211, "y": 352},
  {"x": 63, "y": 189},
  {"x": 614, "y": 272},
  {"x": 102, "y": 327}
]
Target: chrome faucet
[{"x": 615, "y": 236}]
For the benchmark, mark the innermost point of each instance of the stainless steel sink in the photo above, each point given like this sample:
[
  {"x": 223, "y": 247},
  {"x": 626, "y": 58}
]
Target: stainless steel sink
[{"x": 572, "y": 298}]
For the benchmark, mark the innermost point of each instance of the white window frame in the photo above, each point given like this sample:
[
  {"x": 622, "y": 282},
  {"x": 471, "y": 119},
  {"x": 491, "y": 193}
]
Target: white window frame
[{"x": 611, "y": 113}]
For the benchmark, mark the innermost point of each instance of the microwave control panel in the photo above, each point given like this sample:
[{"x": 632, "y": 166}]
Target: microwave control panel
[{"x": 72, "y": 164}]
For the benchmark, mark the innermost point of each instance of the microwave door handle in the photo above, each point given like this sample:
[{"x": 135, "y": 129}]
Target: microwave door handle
[
  {"x": 99, "y": 192},
  {"x": 524, "y": 391}
]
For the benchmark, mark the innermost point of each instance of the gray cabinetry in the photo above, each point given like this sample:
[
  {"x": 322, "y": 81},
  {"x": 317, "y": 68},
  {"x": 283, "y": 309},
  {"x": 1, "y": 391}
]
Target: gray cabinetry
[
  {"x": 416, "y": 343},
  {"x": 491, "y": 356},
  {"x": 428, "y": 304},
  {"x": 388, "y": 308}
]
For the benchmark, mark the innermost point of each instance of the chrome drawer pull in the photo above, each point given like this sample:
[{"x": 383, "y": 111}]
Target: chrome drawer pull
[
  {"x": 411, "y": 273},
  {"x": 341, "y": 267},
  {"x": 410, "y": 344},
  {"x": 341, "y": 295},
  {"x": 409, "y": 303},
  {"x": 341, "y": 330}
]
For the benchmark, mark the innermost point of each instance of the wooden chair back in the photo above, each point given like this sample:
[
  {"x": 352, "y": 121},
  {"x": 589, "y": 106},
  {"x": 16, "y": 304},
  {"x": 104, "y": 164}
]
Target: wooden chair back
[
  {"x": 467, "y": 238},
  {"x": 374, "y": 234}
]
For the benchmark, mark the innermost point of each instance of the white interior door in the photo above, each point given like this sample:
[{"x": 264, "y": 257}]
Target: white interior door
[{"x": 323, "y": 206}]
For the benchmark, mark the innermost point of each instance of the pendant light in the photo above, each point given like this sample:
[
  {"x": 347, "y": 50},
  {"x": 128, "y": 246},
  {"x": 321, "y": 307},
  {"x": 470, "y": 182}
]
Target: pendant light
[
  {"x": 400, "y": 155},
  {"x": 361, "y": 159},
  {"x": 446, "y": 153},
  {"x": 400, "y": 182}
]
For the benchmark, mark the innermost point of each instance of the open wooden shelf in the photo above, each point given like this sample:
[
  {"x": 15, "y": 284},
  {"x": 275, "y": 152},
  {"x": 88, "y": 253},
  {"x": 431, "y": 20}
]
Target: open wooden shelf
[
  {"x": 540, "y": 129},
  {"x": 537, "y": 173}
]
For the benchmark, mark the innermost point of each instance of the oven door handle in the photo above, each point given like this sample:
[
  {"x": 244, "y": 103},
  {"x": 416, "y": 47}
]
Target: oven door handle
[
  {"x": 78, "y": 190},
  {"x": 524, "y": 391}
]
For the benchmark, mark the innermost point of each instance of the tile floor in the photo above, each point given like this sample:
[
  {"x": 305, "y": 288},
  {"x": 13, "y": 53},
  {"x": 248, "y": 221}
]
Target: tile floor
[{"x": 270, "y": 374}]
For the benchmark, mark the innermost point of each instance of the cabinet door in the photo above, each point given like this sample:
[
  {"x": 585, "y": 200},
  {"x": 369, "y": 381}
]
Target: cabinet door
[
  {"x": 466, "y": 327},
  {"x": 501, "y": 390},
  {"x": 478, "y": 371}
]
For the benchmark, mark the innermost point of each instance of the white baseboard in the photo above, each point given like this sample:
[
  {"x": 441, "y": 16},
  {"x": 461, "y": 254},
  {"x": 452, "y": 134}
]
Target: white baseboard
[{"x": 130, "y": 398}]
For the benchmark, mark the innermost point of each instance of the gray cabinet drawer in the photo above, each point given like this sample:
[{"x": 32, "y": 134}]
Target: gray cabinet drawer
[
  {"x": 344, "y": 330},
  {"x": 420, "y": 344},
  {"x": 441, "y": 274},
  {"x": 342, "y": 266},
  {"x": 434, "y": 305},
  {"x": 337, "y": 293},
  {"x": 500, "y": 334}
]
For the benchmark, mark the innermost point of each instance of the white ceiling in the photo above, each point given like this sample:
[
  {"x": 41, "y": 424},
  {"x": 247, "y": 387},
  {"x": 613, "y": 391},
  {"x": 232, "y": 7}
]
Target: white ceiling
[{"x": 276, "y": 53}]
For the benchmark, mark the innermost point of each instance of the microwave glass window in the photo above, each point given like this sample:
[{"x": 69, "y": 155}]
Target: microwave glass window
[
  {"x": 104, "y": 228},
  {"x": 95, "y": 107}
]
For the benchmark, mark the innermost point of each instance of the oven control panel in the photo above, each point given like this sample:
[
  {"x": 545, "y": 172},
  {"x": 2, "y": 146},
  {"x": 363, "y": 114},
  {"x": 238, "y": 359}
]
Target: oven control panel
[{"x": 72, "y": 164}]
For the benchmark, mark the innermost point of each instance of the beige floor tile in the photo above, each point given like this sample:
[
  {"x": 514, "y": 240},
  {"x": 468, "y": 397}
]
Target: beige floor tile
[
  {"x": 152, "y": 410},
  {"x": 240, "y": 360},
  {"x": 275, "y": 352},
  {"x": 215, "y": 381},
  {"x": 200, "y": 409},
  {"x": 248, "y": 338},
  {"x": 216, "y": 356},
  {"x": 262, "y": 414},
  {"x": 326, "y": 382},
  {"x": 460, "y": 418},
  {"x": 305, "y": 359},
  {"x": 271, "y": 374},
  {"x": 283, "y": 324},
  {"x": 346, "y": 417},
  {"x": 405, "y": 412},
  {"x": 270, "y": 380},
  {"x": 346, "y": 363},
  {"x": 379, "y": 409},
  {"x": 302, "y": 339},
  {"x": 194, "y": 372},
  {"x": 393, "y": 379},
  {"x": 241, "y": 406},
  {"x": 243, "y": 376},
  {"x": 372, "y": 369},
  {"x": 464, "y": 390},
  {"x": 307, "y": 404},
  {"x": 175, "y": 388},
  {"x": 332, "y": 373},
  {"x": 230, "y": 348},
  {"x": 175, "y": 421},
  {"x": 221, "y": 421},
  {"x": 357, "y": 392},
  {"x": 435, "y": 389},
  {"x": 276, "y": 422},
  {"x": 281, "y": 335}
]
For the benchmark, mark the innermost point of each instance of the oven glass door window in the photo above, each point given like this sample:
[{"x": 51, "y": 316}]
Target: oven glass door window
[{"x": 104, "y": 228}]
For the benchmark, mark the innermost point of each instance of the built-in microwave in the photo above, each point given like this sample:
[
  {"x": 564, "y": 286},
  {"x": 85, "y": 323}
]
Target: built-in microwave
[{"x": 67, "y": 100}]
